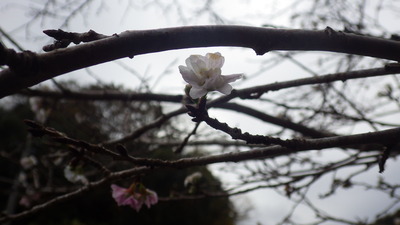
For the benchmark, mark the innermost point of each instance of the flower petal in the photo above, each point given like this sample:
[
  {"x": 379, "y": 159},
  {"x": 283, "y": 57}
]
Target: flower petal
[
  {"x": 74, "y": 176},
  {"x": 196, "y": 63},
  {"x": 232, "y": 77},
  {"x": 151, "y": 198},
  {"x": 215, "y": 60},
  {"x": 133, "y": 203},
  {"x": 192, "y": 179},
  {"x": 197, "y": 92},
  {"x": 119, "y": 194},
  {"x": 189, "y": 76},
  {"x": 225, "y": 89},
  {"x": 214, "y": 83}
]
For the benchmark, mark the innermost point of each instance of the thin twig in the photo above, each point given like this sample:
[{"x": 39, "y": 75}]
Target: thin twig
[{"x": 179, "y": 149}]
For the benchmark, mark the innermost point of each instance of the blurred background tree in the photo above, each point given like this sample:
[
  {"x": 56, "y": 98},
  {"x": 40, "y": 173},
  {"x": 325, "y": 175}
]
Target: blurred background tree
[{"x": 43, "y": 177}]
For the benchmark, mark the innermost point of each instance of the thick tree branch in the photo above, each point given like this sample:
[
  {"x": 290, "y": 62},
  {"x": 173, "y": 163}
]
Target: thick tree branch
[
  {"x": 131, "y": 43},
  {"x": 107, "y": 95},
  {"x": 382, "y": 138},
  {"x": 63, "y": 39}
]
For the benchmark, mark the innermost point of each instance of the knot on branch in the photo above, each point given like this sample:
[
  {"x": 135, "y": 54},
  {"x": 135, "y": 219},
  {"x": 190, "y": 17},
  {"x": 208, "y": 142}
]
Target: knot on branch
[
  {"x": 63, "y": 39},
  {"x": 199, "y": 114},
  {"x": 253, "y": 95},
  {"x": 330, "y": 32},
  {"x": 24, "y": 63},
  {"x": 389, "y": 148},
  {"x": 36, "y": 129},
  {"x": 198, "y": 111},
  {"x": 122, "y": 150},
  {"x": 392, "y": 67}
]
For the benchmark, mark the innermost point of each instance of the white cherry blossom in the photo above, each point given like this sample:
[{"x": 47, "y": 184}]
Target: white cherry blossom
[
  {"x": 74, "y": 176},
  {"x": 203, "y": 73}
]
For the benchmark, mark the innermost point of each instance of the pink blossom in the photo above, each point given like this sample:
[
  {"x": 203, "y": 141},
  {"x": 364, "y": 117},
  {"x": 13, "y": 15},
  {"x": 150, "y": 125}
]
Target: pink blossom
[
  {"x": 151, "y": 198},
  {"x": 134, "y": 196}
]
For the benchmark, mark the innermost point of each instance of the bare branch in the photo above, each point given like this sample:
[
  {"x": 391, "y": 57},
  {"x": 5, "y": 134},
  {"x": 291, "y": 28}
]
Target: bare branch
[
  {"x": 74, "y": 194},
  {"x": 131, "y": 43},
  {"x": 383, "y": 138}
]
